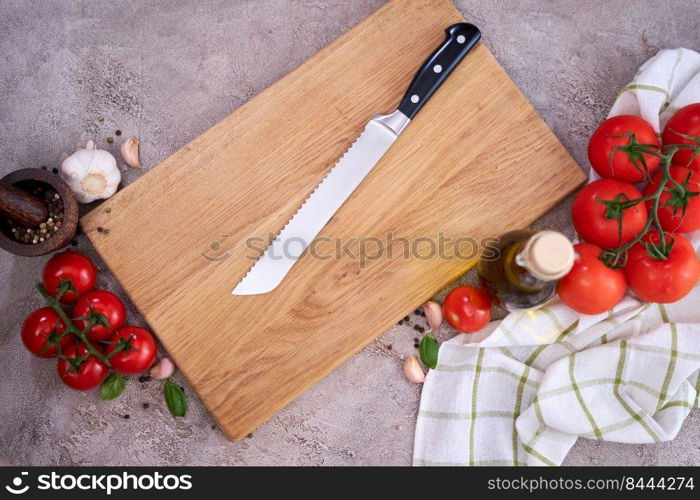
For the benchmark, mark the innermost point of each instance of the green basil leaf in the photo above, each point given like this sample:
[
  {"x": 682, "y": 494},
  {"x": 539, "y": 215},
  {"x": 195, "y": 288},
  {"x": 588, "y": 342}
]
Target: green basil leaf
[
  {"x": 112, "y": 387},
  {"x": 175, "y": 399},
  {"x": 428, "y": 350}
]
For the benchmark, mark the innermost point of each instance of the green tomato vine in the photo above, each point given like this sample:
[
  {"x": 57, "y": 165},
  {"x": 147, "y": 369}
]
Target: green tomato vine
[
  {"x": 680, "y": 195},
  {"x": 94, "y": 318}
]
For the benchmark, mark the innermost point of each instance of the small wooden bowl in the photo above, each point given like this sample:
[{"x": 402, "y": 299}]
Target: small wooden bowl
[{"x": 28, "y": 179}]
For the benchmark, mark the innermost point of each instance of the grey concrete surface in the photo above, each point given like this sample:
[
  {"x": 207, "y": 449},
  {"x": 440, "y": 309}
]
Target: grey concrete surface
[{"x": 166, "y": 71}]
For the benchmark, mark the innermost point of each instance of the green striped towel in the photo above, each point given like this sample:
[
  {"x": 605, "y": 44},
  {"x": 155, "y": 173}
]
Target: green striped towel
[
  {"x": 523, "y": 390},
  {"x": 524, "y": 394},
  {"x": 662, "y": 85}
]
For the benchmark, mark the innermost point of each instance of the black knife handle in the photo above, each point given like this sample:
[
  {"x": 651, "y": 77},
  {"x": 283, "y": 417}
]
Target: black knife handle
[{"x": 460, "y": 39}]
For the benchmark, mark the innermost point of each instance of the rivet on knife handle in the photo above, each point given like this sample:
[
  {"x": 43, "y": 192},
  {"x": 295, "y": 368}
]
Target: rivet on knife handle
[
  {"x": 460, "y": 39},
  {"x": 340, "y": 182}
]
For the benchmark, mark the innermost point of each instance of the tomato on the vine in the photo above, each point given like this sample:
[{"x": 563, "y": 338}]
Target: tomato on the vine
[
  {"x": 616, "y": 148},
  {"x": 80, "y": 370},
  {"x": 467, "y": 309},
  {"x": 103, "y": 302},
  {"x": 598, "y": 213},
  {"x": 662, "y": 280},
  {"x": 591, "y": 287},
  {"x": 685, "y": 121},
  {"x": 137, "y": 350},
  {"x": 679, "y": 209},
  {"x": 74, "y": 267},
  {"x": 41, "y": 331}
]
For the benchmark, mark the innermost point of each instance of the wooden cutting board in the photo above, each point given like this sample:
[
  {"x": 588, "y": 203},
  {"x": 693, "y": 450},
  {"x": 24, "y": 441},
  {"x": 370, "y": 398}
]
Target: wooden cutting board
[{"x": 475, "y": 162}]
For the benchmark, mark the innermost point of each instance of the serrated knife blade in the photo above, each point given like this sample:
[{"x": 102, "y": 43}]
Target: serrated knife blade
[
  {"x": 378, "y": 136},
  {"x": 340, "y": 182}
]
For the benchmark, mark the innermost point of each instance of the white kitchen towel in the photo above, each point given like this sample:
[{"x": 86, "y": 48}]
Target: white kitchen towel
[{"x": 524, "y": 389}]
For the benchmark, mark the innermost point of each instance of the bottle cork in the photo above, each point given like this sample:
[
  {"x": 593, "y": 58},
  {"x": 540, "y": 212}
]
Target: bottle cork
[{"x": 548, "y": 255}]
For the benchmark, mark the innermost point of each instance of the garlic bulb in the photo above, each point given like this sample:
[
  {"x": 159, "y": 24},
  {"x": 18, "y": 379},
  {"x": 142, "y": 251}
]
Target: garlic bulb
[{"x": 92, "y": 174}]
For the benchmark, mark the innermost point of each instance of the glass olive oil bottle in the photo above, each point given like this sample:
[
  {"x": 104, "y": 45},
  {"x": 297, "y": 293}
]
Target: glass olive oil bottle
[{"x": 521, "y": 270}]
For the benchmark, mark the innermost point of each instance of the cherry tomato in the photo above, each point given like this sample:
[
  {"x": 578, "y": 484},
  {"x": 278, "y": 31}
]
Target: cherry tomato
[
  {"x": 685, "y": 121},
  {"x": 662, "y": 281},
  {"x": 89, "y": 375},
  {"x": 467, "y": 309},
  {"x": 40, "y": 326},
  {"x": 139, "y": 353},
  {"x": 628, "y": 166},
  {"x": 591, "y": 216},
  {"x": 591, "y": 287},
  {"x": 671, "y": 213},
  {"x": 104, "y": 302},
  {"x": 72, "y": 266}
]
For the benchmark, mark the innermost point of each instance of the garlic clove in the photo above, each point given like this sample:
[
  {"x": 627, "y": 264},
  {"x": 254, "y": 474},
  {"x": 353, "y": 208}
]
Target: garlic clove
[
  {"x": 433, "y": 313},
  {"x": 413, "y": 370},
  {"x": 163, "y": 369},
  {"x": 130, "y": 152},
  {"x": 90, "y": 144}
]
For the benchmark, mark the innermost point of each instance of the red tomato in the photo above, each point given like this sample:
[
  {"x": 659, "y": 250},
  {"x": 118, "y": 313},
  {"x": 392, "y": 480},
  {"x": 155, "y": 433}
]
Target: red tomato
[
  {"x": 671, "y": 214},
  {"x": 139, "y": 352},
  {"x": 628, "y": 166},
  {"x": 40, "y": 326},
  {"x": 467, "y": 309},
  {"x": 592, "y": 218},
  {"x": 591, "y": 287},
  {"x": 71, "y": 266},
  {"x": 88, "y": 375},
  {"x": 667, "y": 280},
  {"x": 685, "y": 121},
  {"x": 104, "y": 302}
]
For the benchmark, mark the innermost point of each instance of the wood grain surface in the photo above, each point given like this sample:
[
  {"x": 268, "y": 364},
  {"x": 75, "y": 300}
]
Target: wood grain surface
[{"x": 475, "y": 162}]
